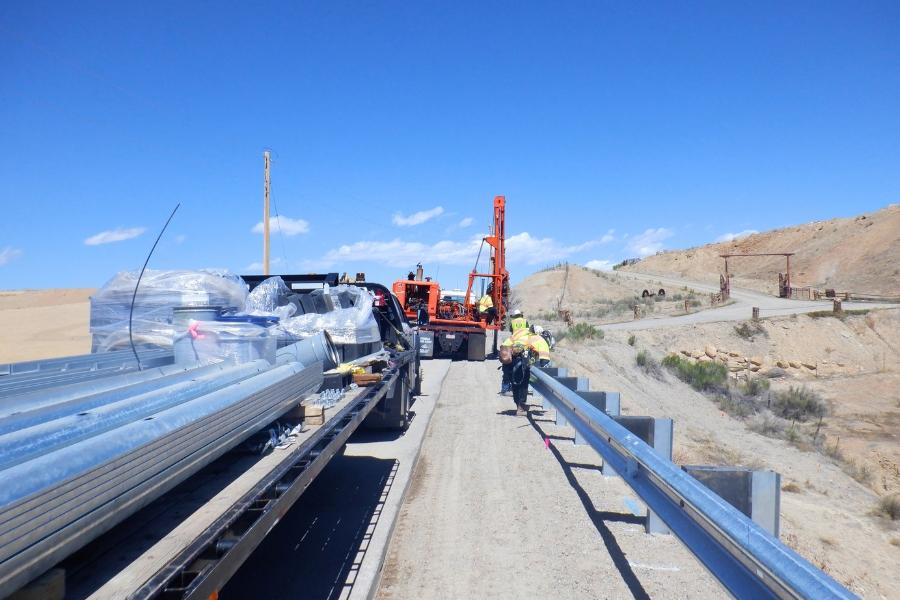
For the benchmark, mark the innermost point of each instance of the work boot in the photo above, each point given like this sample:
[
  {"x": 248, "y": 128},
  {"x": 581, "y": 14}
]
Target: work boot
[{"x": 521, "y": 410}]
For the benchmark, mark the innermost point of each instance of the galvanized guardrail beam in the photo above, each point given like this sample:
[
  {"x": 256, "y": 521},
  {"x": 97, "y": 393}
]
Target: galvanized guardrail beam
[{"x": 747, "y": 560}]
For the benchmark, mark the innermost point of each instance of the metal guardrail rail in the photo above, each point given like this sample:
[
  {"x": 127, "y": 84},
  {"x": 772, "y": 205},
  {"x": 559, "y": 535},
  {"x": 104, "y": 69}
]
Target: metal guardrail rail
[
  {"x": 86, "y": 362},
  {"x": 748, "y": 561}
]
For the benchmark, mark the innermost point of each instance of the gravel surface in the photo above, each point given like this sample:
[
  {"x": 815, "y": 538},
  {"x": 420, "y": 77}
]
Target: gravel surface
[{"x": 494, "y": 512}]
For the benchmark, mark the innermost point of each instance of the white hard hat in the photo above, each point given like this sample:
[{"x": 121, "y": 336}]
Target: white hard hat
[
  {"x": 516, "y": 313},
  {"x": 538, "y": 329}
]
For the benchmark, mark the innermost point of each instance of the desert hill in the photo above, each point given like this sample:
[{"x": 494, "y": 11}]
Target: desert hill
[
  {"x": 858, "y": 254},
  {"x": 580, "y": 288}
]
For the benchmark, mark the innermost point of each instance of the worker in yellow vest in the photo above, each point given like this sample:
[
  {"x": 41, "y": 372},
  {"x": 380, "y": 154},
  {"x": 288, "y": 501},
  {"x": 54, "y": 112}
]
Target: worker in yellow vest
[
  {"x": 517, "y": 321},
  {"x": 486, "y": 309},
  {"x": 539, "y": 347},
  {"x": 520, "y": 339}
]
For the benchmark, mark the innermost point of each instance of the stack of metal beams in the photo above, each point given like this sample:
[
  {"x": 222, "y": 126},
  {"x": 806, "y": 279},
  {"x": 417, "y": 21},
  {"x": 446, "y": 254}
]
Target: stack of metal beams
[{"x": 80, "y": 454}]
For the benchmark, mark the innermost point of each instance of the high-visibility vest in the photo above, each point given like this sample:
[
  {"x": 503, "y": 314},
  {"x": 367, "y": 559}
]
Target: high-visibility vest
[
  {"x": 539, "y": 345},
  {"x": 485, "y": 303},
  {"x": 518, "y": 324},
  {"x": 520, "y": 338}
]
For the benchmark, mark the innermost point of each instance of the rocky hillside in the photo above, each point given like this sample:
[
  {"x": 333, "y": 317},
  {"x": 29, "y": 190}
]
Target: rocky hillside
[{"x": 858, "y": 254}]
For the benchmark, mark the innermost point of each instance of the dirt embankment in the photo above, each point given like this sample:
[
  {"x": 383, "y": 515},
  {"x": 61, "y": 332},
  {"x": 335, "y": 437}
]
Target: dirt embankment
[
  {"x": 597, "y": 296},
  {"x": 44, "y": 323},
  {"x": 858, "y": 254},
  {"x": 828, "y": 510}
]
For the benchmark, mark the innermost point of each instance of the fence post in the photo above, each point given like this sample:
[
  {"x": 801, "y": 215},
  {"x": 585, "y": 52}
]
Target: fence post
[{"x": 756, "y": 313}]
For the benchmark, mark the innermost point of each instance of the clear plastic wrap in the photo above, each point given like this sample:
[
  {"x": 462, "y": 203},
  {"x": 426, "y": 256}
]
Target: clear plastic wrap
[
  {"x": 267, "y": 297},
  {"x": 230, "y": 341},
  {"x": 355, "y": 324},
  {"x": 158, "y": 294}
]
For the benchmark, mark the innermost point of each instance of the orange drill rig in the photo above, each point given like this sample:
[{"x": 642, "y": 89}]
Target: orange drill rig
[{"x": 454, "y": 326}]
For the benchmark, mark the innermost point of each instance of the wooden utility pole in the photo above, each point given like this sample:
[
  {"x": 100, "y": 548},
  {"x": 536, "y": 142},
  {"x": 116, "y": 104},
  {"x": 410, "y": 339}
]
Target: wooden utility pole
[{"x": 266, "y": 218}]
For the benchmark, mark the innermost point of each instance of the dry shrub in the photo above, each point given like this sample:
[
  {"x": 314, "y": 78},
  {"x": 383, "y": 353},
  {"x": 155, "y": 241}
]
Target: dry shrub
[{"x": 889, "y": 506}]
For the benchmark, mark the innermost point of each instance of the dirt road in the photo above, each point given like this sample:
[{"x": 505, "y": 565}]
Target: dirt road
[
  {"x": 493, "y": 512},
  {"x": 739, "y": 310}
]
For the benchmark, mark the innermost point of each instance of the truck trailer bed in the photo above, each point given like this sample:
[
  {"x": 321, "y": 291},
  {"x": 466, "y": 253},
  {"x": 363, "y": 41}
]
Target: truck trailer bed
[{"x": 188, "y": 543}]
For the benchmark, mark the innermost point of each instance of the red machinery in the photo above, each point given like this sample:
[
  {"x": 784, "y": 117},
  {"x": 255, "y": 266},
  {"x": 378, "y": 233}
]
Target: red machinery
[{"x": 448, "y": 325}]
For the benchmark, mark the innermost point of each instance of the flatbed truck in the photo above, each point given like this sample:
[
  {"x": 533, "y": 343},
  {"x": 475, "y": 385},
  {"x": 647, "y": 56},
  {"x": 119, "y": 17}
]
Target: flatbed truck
[{"x": 189, "y": 542}]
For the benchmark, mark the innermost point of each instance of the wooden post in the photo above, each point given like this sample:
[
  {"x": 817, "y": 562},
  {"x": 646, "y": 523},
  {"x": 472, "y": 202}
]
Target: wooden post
[
  {"x": 756, "y": 313},
  {"x": 838, "y": 309},
  {"x": 266, "y": 218}
]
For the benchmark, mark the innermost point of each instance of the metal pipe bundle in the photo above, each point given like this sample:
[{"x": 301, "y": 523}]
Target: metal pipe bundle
[
  {"x": 62, "y": 373},
  {"x": 73, "y": 468}
]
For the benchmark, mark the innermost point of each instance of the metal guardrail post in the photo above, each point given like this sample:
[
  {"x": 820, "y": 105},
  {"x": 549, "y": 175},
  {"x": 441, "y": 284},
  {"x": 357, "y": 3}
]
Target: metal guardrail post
[
  {"x": 553, "y": 372},
  {"x": 576, "y": 384},
  {"x": 747, "y": 560},
  {"x": 757, "y": 494},
  {"x": 658, "y": 434},
  {"x": 608, "y": 402}
]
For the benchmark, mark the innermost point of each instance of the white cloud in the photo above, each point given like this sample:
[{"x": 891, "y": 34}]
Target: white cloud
[
  {"x": 417, "y": 218},
  {"x": 524, "y": 248},
  {"x": 9, "y": 254},
  {"x": 599, "y": 265},
  {"x": 608, "y": 237},
  {"x": 520, "y": 248},
  {"x": 730, "y": 237},
  {"x": 649, "y": 242},
  {"x": 114, "y": 235},
  {"x": 179, "y": 239},
  {"x": 401, "y": 253},
  {"x": 257, "y": 267},
  {"x": 466, "y": 222},
  {"x": 286, "y": 225}
]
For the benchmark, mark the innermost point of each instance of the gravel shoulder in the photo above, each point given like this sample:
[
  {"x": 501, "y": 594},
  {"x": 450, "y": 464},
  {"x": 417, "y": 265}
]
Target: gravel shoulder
[{"x": 493, "y": 512}]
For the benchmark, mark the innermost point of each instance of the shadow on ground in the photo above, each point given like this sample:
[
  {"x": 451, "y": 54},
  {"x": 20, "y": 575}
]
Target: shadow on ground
[
  {"x": 598, "y": 518},
  {"x": 316, "y": 549}
]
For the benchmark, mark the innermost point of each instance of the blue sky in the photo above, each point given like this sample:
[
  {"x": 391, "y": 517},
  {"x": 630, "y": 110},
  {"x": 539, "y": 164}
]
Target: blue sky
[{"x": 613, "y": 128}]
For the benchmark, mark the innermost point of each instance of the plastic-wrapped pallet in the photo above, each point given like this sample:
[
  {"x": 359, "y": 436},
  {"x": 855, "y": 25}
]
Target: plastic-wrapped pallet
[
  {"x": 354, "y": 324},
  {"x": 158, "y": 294},
  {"x": 272, "y": 297}
]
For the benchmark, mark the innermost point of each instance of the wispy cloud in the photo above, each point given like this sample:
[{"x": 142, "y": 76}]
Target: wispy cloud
[
  {"x": 524, "y": 248},
  {"x": 649, "y": 242},
  {"x": 179, "y": 239},
  {"x": 417, "y": 218},
  {"x": 730, "y": 237},
  {"x": 120, "y": 234},
  {"x": 609, "y": 236},
  {"x": 521, "y": 248},
  {"x": 257, "y": 267},
  {"x": 286, "y": 225},
  {"x": 9, "y": 254},
  {"x": 465, "y": 222},
  {"x": 599, "y": 265}
]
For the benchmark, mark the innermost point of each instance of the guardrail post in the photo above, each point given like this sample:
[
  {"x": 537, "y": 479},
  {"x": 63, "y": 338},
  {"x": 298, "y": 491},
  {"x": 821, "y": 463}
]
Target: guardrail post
[
  {"x": 576, "y": 384},
  {"x": 552, "y": 372},
  {"x": 757, "y": 494},
  {"x": 608, "y": 402},
  {"x": 657, "y": 433}
]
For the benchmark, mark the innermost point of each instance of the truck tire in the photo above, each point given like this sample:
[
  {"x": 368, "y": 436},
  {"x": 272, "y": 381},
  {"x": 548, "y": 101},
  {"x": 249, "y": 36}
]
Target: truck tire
[{"x": 475, "y": 347}]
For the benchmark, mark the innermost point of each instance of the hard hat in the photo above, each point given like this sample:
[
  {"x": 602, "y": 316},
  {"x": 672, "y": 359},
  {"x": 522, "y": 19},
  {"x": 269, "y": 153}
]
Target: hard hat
[
  {"x": 538, "y": 329},
  {"x": 516, "y": 313}
]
